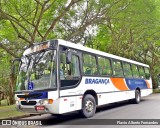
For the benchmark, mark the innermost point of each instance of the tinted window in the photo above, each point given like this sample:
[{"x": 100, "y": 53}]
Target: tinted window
[
  {"x": 135, "y": 71},
  {"x": 117, "y": 68},
  {"x": 147, "y": 74},
  {"x": 104, "y": 66},
  {"x": 89, "y": 65},
  {"x": 141, "y": 72},
  {"x": 127, "y": 69}
]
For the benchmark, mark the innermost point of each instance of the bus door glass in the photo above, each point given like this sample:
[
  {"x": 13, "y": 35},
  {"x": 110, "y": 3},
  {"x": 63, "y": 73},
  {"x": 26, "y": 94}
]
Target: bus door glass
[{"x": 69, "y": 72}]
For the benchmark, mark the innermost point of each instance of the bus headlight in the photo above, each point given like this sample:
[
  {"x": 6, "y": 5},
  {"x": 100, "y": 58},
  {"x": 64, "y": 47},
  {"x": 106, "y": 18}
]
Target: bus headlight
[{"x": 46, "y": 101}]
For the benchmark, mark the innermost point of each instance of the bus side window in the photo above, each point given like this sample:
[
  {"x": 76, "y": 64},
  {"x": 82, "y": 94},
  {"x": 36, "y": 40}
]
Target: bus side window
[
  {"x": 69, "y": 73},
  {"x": 117, "y": 68},
  {"x": 135, "y": 71},
  {"x": 104, "y": 66},
  {"x": 127, "y": 70},
  {"x": 63, "y": 68},
  {"x": 141, "y": 72},
  {"x": 74, "y": 66},
  {"x": 89, "y": 64},
  {"x": 147, "y": 73}
]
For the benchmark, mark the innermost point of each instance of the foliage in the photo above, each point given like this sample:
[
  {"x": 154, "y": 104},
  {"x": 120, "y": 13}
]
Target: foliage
[{"x": 132, "y": 31}]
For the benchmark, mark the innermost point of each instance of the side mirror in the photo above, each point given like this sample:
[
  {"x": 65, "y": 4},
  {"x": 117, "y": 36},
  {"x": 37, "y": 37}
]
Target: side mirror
[{"x": 69, "y": 57}]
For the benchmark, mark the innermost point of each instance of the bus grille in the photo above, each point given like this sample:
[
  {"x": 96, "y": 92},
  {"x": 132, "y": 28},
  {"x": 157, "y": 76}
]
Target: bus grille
[{"x": 28, "y": 103}]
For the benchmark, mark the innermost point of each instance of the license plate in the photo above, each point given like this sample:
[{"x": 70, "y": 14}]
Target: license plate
[{"x": 40, "y": 107}]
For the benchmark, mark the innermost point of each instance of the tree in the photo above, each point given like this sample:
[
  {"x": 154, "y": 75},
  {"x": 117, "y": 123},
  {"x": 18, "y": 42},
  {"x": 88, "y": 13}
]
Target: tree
[
  {"x": 131, "y": 30},
  {"x": 25, "y": 22},
  {"x": 122, "y": 27}
]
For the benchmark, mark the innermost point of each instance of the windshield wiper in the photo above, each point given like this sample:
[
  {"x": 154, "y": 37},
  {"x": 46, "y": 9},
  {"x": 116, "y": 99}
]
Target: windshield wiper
[{"x": 40, "y": 57}]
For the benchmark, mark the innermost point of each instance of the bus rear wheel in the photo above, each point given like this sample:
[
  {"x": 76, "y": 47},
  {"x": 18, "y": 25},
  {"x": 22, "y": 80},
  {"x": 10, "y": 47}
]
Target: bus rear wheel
[
  {"x": 137, "y": 98},
  {"x": 88, "y": 106}
]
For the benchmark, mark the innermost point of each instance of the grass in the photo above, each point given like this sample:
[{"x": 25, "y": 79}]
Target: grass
[
  {"x": 9, "y": 111},
  {"x": 3, "y": 103}
]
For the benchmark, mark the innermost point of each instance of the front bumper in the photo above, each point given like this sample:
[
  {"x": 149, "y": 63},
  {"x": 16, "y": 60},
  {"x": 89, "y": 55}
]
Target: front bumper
[
  {"x": 32, "y": 109},
  {"x": 49, "y": 108},
  {"x": 28, "y": 109}
]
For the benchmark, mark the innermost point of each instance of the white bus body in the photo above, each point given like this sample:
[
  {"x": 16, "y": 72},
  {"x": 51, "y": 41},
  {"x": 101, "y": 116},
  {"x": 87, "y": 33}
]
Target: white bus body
[{"x": 86, "y": 91}]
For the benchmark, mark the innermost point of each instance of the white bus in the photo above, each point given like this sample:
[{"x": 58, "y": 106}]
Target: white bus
[{"x": 58, "y": 77}]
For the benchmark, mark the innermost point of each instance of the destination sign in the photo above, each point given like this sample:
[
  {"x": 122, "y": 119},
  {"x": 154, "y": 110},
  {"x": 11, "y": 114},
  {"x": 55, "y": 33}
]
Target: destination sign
[{"x": 37, "y": 48}]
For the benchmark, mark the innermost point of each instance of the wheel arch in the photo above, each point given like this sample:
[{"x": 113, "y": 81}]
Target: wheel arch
[
  {"x": 93, "y": 93},
  {"x": 138, "y": 90}
]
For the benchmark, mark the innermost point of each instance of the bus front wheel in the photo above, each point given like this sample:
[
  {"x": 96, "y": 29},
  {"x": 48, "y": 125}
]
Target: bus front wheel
[{"x": 88, "y": 106}]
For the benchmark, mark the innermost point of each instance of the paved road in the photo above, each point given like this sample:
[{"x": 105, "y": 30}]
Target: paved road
[{"x": 149, "y": 108}]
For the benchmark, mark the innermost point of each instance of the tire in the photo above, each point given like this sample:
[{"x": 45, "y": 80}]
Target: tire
[
  {"x": 88, "y": 106},
  {"x": 137, "y": 98}
]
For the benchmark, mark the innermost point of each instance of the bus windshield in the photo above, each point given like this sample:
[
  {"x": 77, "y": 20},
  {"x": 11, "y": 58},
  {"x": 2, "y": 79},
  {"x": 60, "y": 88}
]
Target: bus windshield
[{"x": 37, "y": 71}]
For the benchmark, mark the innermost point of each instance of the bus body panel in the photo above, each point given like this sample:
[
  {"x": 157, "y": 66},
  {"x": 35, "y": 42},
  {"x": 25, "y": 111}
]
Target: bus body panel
[
  {"x": 106, "y": 93},
  {"x": 71, "y": 99}
]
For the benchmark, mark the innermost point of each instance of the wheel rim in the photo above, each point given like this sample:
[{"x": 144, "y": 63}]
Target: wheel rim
[
  {"x": 89, "y": 106},
  {"x": 138, "y": 97}
]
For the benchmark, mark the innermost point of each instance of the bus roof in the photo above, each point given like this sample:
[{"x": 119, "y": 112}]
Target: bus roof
[
  {"x": 90, "y": 50},
  {"x": 46, "y": 44}
]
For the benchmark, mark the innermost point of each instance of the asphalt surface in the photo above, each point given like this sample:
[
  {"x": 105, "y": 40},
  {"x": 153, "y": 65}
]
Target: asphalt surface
[{"x": 118, "y": 113}]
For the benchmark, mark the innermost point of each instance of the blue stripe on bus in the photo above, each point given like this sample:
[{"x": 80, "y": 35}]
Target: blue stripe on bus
[
  {"x": 43, "y": 96},
  {"x": 134, "y": 83}
]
